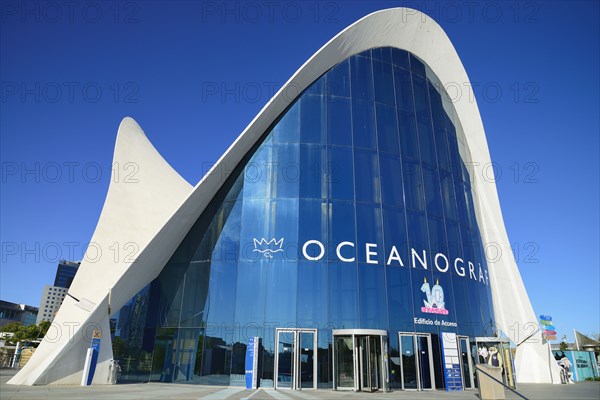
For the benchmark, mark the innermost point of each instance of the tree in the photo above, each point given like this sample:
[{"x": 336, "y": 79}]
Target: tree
[
  {"x": 24, "y": 333},
  {"x": 43, "y": 327},
  {"x": 12, "y": 327},
  {"x": 564, "y": 346}
]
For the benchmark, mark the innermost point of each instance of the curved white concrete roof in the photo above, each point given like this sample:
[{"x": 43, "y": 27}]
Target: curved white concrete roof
[{"x": 159, "y": 221}]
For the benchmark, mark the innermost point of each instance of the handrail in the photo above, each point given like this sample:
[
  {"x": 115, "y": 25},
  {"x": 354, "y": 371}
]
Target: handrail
[
  {"x": 528, "y": 337},
  {"x": 502, "y": 383}
]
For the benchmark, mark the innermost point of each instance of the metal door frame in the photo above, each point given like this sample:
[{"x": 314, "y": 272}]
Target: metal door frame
[
  {"x": 296, "y": 378},
  {"x": 360, "y": 367},
  {"x": 504, "y": 344},
  {"x": 372, "y": 340},
  {"x": 366, "y": 363},
  {"x": 470, "y": 359},
  {"x": 334, "y": 363},
  {"x": 418, "y": 380},
  {"x": 414, "y": 336},
  {"x": 354, "y": 334}
]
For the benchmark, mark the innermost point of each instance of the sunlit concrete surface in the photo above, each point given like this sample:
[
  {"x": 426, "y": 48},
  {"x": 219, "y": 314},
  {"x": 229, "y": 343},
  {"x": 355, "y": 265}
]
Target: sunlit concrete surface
[{"x": 579, "y": 391}]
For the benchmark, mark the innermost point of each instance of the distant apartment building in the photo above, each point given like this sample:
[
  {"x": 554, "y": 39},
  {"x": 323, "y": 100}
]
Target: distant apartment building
[
  {"x": 13, "y": 312},
  {"x": 53, "y": 296}
]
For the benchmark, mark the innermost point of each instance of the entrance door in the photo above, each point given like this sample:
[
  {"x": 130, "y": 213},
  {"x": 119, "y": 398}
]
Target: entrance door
[
  {"x": 359, "y": 360},
  {"x": 466, "y": 362},
  {"x": 369, "y": 360},
  {"x": 307, "y": 360},
  {"x": 295, "y": 359},
  {"x": 343, "y": 360},
  {"x": 408, "y": 362},
  {"x": 416, "y": 361},
  {"x": 425, "y": 360}
]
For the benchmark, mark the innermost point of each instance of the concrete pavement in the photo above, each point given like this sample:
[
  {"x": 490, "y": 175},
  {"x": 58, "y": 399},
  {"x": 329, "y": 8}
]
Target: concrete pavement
[{"x": 578, "y": 391}]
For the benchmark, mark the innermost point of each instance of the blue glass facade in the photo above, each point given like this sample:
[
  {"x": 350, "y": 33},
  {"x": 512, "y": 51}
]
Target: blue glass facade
[
  {"x": 354, "y": 211},
  {"x": 65, "y": 273}
]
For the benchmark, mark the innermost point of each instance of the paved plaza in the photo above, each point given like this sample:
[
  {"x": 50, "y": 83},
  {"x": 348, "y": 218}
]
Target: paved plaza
[{"x": 579, "y": 391}]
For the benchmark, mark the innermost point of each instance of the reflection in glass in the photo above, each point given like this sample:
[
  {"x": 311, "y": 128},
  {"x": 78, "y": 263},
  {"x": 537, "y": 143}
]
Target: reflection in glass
[
  {"x": 374, "y": 361},
  {"x": 365, "y": 363},
  {"x": 371, "y": 153},
  {"x": 344, "y": 361},
  {"x": 306, "y": 359},
  {"x": 339, "y": 128},
  {"x": 424, "y": 357},
  {"x": 363, "y": 124},
  {"x": 285, "y": 359},
  {"x": 409, "y": 362},
  {"x": 466, "y": 366}
]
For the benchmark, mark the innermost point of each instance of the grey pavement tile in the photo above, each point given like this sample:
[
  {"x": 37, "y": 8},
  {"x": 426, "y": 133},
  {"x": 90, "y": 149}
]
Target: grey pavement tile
[{"x": 151, "y": 391}]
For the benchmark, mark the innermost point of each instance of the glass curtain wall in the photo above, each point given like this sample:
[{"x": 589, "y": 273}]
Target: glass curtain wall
[{"x": 336, "y": 219}]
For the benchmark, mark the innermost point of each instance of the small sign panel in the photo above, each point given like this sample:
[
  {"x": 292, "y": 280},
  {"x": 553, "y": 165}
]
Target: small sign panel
[
  {"x": 549, "y": 330},
  {"x": 252, "y": 363},
  {"x": 451, "y": 356},
  {"x": 95, "y": 346}
]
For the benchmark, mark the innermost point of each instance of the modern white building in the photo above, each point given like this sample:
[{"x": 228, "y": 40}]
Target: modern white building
[{"x": 341, "y": 228}]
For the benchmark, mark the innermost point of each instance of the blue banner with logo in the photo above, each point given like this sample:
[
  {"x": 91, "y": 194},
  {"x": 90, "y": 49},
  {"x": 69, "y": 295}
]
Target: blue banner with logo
[
  {"x": 252, "y": 363},
  {"x": 451, "y": 361},
  {"x": 96, "y": 338}
]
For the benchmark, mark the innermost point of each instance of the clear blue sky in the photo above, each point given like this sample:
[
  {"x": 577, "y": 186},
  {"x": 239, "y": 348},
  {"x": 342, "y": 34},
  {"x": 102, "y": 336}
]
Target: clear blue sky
[{"x": 70, "y": 73}]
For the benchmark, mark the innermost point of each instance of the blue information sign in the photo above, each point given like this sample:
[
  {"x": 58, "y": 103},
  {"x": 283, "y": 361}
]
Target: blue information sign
[
  {"x": 451, "y": 361},
  {"x": 96, "y": 338},
  {"x": 252, "y": 363}
]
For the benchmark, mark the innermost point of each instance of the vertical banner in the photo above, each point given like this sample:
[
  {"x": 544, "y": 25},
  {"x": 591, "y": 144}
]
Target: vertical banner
[
  {"x": 252, "y": 363},
  {"x": 386, "y": 366},
  {"x": 451, "y": 357},
  {"x": 91, "y": 359}
]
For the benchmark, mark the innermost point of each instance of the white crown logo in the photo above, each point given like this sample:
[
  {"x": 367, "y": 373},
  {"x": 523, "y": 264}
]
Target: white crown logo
[{"x": 267, "y": 248}]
